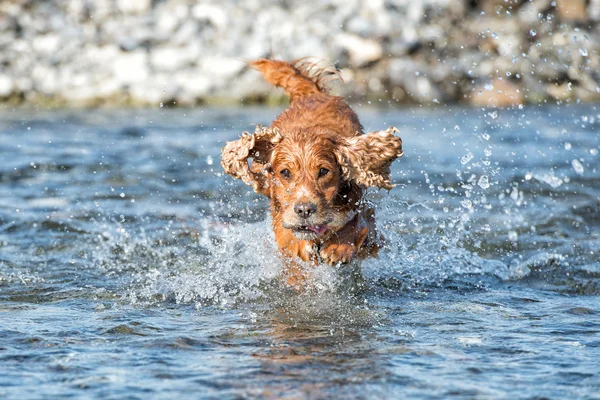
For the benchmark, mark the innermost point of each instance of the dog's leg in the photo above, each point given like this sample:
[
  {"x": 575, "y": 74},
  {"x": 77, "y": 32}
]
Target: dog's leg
[{"x": 355, "y": 239}]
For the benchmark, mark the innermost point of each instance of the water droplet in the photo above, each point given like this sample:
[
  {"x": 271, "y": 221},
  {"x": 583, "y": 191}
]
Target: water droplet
[
  {"x": 484, "y": 182},
  {"x": 122, "y": 195},
  {"x": 583, "y": 52},
  {"x": 209, "y": 160},
  {"x": 487, "y": 152},
  {"x": 577, "y": 166},
  {"x": 567, "y": 146},
  {"x": 161, "y": 104},
  {"x": 513, "y": 236},
  {"x": 466, "y": 203},
  {"x": 549, "y": 178},
  {"x": 532, "y": 32},
  {"x": 508, "y": 73},
  {"x": 466, "y": 158},
  {"x": 594, "y": 152},
  {"x": 488, "y": 87}
]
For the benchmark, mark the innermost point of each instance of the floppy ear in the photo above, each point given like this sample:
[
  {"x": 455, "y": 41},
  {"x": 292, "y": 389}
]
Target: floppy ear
[
  {"x": 366, "y": 159},
  {"x": 248, "y": 157}
]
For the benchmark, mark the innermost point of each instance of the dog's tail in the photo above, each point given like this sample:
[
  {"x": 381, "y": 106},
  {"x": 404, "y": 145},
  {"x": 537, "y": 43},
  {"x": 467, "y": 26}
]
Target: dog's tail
[{"x": 298, "y": 78}]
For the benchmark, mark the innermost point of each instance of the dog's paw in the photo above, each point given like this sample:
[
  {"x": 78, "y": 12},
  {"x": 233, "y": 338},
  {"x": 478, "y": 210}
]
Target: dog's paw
[{"x": 334, "y": 253}]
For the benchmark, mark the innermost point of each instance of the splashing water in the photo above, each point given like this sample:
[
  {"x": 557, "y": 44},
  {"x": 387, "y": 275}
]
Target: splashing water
[{"x": 122, "y": 240}]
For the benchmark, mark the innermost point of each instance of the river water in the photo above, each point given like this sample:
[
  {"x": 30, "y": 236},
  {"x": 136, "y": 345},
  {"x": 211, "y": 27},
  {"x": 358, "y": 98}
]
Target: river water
[{"x": 132, "y": 267}]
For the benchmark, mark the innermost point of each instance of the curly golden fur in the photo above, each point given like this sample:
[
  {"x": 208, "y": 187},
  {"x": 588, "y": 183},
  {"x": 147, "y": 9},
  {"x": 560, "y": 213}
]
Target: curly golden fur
[{"x": 314, "y": 163}]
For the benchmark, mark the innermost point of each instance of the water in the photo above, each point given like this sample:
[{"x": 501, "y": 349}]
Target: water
[{"x": 131, "y": 267}]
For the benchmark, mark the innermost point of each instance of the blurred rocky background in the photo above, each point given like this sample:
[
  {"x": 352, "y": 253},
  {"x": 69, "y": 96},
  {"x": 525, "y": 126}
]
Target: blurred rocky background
[{"x": 187, "y": 52}]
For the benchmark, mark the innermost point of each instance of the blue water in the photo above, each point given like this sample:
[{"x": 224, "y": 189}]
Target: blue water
[{"x": 132, "y": 267}]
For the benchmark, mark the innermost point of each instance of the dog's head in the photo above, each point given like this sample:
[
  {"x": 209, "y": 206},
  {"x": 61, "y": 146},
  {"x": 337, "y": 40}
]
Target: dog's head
[{"x": 312, "y": 178}]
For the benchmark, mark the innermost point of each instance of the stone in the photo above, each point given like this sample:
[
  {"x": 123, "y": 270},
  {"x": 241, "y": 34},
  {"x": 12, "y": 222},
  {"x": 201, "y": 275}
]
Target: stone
[
  {"x": 594, "y": 10},
  {"x": 194, "y": 85},
  {"x": 134, "y": 6},
  {"x": 211, "y": 13},
  {"x": 170, "y": 14},
  {"x": 46, "y": 44},
  {"x": 45, "y": 79},
  {"x": 221, "y": 69},
  {"x": 362, "y": 51},
  {"x": 160, "y": 89},
  {"x": 131, "y": 67},
  {"x": 498, "y": 7},
  {"x": 168, "y": 58},
  {"x": 529, "y": 13},
  {"x": 6, "y": 85},
  {"x": 571, "y": 10},
  {"x": 497, "y": 93},
  {"x": 414, "y": 80},
  {"x": 560, "y": 92}
]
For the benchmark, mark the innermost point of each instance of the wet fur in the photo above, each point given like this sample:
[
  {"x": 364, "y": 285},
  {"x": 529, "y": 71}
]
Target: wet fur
[{"x": 285, "y": 162}]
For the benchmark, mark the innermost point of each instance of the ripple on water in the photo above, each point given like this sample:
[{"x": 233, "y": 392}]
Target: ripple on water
[{"x": 134, "y": 268}]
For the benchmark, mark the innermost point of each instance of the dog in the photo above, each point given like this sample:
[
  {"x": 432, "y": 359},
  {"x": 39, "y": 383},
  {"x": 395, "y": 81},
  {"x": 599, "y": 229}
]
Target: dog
[{"x": 314, "y": 163}]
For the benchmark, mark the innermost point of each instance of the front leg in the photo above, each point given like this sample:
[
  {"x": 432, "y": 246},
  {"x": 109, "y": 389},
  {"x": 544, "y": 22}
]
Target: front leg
[
  {"x": 296, "y": 253},
  {"x": 355, "y": 240}
]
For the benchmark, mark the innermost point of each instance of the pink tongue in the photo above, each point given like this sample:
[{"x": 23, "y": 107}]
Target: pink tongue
[{"x": 318, "y": 229}]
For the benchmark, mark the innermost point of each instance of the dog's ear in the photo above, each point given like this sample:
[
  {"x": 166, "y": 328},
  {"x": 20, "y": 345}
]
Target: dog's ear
[
  {"x": 248, "y": 157},
  {"x": 366, "y": 159}
]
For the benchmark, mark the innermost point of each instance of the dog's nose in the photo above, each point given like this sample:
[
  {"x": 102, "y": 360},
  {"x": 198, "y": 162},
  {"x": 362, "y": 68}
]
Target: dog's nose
[{"x": 305, "y": 210}]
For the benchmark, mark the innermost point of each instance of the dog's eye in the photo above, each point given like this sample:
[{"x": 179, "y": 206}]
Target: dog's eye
[
  {"x": 285, "y": 173},
  {"x": 323, "y": 172}
]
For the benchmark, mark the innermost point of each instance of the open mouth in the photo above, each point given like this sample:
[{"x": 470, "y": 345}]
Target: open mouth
[{"x": 318, "y": 229}]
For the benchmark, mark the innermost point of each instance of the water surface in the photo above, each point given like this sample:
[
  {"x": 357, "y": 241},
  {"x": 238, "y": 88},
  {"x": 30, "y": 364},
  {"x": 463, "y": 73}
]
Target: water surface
[{"x": 131, "y": 267}]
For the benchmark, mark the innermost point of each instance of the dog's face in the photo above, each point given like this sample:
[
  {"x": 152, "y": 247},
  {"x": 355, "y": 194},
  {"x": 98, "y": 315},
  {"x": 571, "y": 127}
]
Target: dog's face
[
  {"x": 306, "y": 181},
  {"x": 307, "y": 174}
]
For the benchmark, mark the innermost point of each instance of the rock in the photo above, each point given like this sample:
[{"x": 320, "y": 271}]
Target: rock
[
  {"x": 498, "y": 7},
  {"x": 131, "y": 67},
  {"x": 497, "y": 93},
  {"x": 588, "y": 96},
  {"x": 6, "y": 85},
  {"x": 160, "y": 89},
  {"x": 372, "y": 20},
  {"x": 173, "y": 58},
  {"x": 594, "y": 10},
  {"x": 414, "y": 80},
  {"x": 560, "y": 92},
  {"x": 530, "y": 12},
  {"x": 45, "y": 79},
  {"x": 170, "y": 16},
  {"x": 46, "y": 44},
  {"x": 211, "y": 13},
  {"x": 361, "y": 51},
  {"x": 571, "y": 10},
  {"x": 134, "y": 6},
  {"x": 193, "y": 86},
  {"x": 221, "y": 69}
]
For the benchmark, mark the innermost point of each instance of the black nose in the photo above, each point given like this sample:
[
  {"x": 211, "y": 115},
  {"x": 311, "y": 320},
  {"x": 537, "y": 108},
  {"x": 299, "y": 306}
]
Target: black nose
[{"x": 305, "y": 209}]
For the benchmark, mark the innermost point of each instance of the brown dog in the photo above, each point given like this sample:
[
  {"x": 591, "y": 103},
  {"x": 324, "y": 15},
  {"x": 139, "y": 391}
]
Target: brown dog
[{"x": 314, "y": 163}]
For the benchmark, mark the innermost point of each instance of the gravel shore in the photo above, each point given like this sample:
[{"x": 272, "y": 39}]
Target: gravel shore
[{"x": 184, "y": 52}]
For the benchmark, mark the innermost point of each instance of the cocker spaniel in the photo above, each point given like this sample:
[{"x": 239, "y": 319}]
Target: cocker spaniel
[{"x": 314, "y": 163}]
